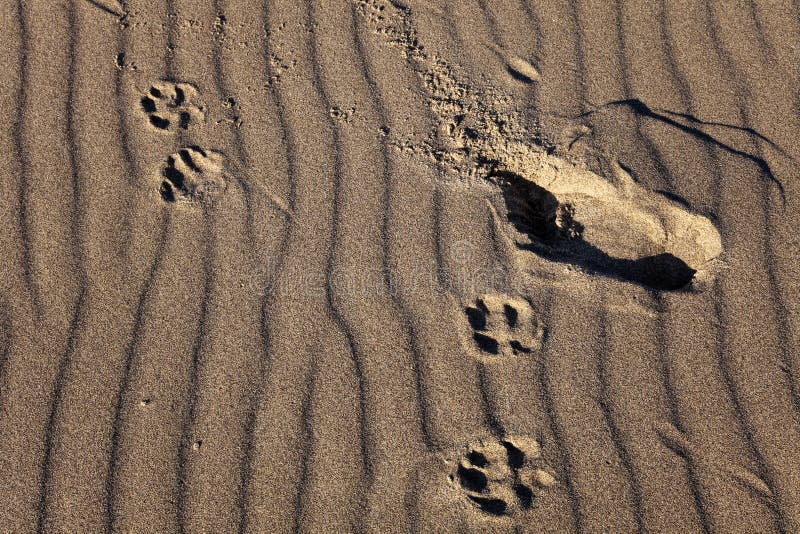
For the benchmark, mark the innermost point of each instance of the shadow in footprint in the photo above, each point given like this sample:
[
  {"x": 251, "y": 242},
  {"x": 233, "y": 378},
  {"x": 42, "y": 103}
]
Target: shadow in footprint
[
  {"x": 516, "y": 458},
  {"x": 524, "y": 495},
  {"x": 472, "y": 479},
  {"x": 489, "y": 505},
  {"x": 486, "y": 343},
  {"x": 555, "y": 236}
]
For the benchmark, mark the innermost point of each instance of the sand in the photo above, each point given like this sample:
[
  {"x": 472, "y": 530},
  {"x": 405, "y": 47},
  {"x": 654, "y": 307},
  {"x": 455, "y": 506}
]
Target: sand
[{"x": 399, "y": 266}]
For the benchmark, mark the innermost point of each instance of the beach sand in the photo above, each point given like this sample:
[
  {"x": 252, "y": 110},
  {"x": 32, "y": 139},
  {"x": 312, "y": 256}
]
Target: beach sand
[{"x": 400, "y": 266}]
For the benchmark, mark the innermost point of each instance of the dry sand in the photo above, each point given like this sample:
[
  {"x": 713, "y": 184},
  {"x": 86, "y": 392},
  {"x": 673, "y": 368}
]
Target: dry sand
[{"x": 400, "y": 265}]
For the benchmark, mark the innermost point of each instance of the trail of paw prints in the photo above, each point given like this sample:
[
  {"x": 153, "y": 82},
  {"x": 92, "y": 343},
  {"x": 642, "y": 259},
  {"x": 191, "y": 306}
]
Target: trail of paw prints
[
  {"x": 193, "y": 175},
  {"x": 502, "y": 477},
  {"x": 504, "y": 326},
  {"x": 171, "y": 106}
]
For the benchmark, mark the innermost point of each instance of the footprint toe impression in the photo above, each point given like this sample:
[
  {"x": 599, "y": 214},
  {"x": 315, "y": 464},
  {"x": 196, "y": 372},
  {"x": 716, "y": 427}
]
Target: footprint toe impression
[
  {"x": 502, "y": 477},
  {"x": 504, "y": 326},
  {"x": 170, "y": 106}
]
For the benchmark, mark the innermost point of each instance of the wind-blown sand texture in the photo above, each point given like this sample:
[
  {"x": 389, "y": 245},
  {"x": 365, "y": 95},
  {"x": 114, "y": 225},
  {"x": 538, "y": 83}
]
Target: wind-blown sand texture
[{"x": 400, "y": 266}]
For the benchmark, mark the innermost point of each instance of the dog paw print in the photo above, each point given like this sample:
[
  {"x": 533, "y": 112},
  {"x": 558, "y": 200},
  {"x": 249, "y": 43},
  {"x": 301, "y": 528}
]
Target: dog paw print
[
  {"x": 502, "y": 477},
  {"x": 504, "y": 326},
  {"x": 170, "y": 106},
  {"x": 193, "y": 175}
]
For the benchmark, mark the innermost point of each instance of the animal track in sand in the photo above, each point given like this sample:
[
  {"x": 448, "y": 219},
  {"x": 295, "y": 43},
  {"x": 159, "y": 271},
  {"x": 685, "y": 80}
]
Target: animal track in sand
[
  {"x": 502, "y": 477},
  {"x": 504, "y": 326},
  {"x": 614, "y": 227},
  {"x": 193, "y": 175},
  {"x": 170, "y": 106}
]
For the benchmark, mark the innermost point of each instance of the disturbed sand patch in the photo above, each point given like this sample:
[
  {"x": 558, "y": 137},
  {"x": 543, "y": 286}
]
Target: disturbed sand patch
[
  {"x": 171, "y": 106},
  {"x": 501, "y": 477},
  {"x": 562, "y": 211},
  {"x": 504, "y": 326},
  {"x": 193, "y": 175}
]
